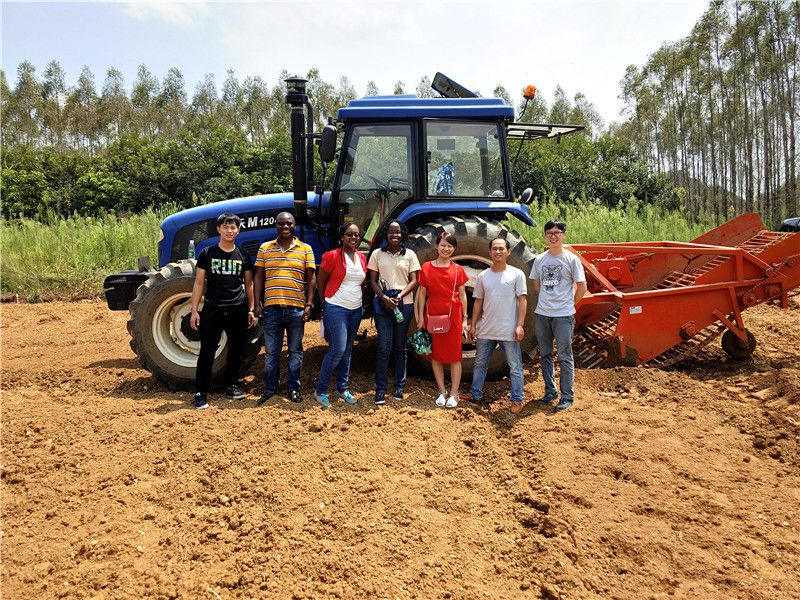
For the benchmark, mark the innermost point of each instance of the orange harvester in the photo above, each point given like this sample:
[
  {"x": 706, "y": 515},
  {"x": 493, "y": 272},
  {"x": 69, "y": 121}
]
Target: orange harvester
[{"x": 656, "y": 303}]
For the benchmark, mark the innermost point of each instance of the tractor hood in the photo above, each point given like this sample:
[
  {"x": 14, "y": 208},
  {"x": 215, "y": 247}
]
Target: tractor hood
[{"x": 199, "y": 223}]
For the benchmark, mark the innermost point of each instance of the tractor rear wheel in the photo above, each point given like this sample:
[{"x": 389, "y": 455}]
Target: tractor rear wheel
[
  {"x": 474, "y": 234},
  {"x": 161, "y": 335}
]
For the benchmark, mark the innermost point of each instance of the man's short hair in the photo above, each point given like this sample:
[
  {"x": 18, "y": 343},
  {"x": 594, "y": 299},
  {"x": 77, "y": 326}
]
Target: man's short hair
[
  {"x": 499, "y": 237},
  {"x": 556, "y": 223},
  {"x": 285, "y": 212},
  {"x": 229, "y": 218}
]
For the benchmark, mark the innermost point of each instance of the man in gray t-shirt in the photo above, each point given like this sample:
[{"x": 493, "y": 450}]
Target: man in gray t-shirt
[
  {"x": 498, "y": 314},
  {"x": 559, "y": 280}
]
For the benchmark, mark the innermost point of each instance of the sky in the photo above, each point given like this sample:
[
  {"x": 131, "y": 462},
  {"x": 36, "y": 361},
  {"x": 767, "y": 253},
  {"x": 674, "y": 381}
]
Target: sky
[{"x": 581, "y": 46}]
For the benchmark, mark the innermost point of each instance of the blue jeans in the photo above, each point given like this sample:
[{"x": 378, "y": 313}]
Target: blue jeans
[
  {"x": 276, "y": 320},
  {"x": 341, "y": 326},
  {"x": 392, "y": 344},
  {"x": 558, "y": 329},
  {"x": 483, "y": 350}
]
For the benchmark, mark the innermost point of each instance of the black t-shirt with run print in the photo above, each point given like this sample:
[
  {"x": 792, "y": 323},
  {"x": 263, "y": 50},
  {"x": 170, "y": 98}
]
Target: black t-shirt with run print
[{"x": 224, "y": 275}]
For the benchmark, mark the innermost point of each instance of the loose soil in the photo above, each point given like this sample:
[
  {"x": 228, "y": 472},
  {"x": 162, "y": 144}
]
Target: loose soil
[{"x": 657, "y": 484}]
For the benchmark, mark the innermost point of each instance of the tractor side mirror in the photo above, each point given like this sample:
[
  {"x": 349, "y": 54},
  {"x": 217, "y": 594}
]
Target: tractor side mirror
[
  {"x": 327, "y": 145},
  {"x": 527, "y": 196}
]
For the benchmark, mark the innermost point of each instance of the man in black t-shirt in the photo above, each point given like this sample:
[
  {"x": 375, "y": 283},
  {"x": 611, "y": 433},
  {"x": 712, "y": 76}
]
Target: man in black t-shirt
[{"x": 226, "y": 274}]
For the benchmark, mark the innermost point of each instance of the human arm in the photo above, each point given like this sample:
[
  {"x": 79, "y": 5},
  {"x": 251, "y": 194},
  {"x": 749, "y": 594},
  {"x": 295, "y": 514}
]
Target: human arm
[
  {"x": 477, "y": 311},
  {"x": 462, "y": 296},
  {"x": 580, "y": 291},
  {"x": 258, "y": 290},
  {"x": 410, "y": 286},
  {"x": 311, "y": 288},
  {"x": 322, "y": 283},
  {"x": 248, "y": 290},
  {"x": 419, "y": 307},
  {"x": 197, "y": 294},
  {"x": 522, "y": 309}
]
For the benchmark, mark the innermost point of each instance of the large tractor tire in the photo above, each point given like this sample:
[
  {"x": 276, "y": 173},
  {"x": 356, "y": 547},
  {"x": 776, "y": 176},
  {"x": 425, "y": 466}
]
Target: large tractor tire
[
  {"x": 161, "y": 335},
  {"x": 474, "y": 234}
]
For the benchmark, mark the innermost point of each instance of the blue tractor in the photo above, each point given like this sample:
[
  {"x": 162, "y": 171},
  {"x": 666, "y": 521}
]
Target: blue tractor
[{"x": 432, "y": 163}]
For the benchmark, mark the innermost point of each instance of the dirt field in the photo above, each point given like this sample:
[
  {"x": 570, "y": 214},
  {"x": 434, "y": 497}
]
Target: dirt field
[{"x": 657, "y": 484}]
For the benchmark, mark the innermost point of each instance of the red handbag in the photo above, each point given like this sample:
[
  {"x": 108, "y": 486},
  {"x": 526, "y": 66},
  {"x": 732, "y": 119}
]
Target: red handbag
[{"x": 439, "y": 324}]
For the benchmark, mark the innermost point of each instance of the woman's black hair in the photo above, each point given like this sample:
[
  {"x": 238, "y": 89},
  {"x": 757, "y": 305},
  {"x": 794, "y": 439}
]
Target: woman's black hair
[
  {"x": 403, "y": 236},
  {"x": 448, "y": 237}
]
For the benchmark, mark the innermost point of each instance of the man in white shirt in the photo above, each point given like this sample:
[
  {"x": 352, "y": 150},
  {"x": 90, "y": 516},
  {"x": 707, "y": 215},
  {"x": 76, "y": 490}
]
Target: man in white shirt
[
  {"x": 498, "y": 314},
  {"x": 559, "y": 280}
]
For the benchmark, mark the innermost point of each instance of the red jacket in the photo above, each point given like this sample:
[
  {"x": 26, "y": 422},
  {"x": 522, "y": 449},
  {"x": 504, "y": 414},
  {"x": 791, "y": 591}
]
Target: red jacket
[{"x": 334, "y": 263}]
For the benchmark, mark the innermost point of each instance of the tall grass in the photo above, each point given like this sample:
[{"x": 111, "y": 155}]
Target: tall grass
[
  {"x": 68, "y": 258},
  {"x": 591, "y": 222}
]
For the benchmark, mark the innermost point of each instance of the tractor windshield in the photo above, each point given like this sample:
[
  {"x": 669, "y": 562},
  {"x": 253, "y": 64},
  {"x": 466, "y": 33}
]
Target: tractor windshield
[
  {"x": 377, "y": 173},
  {"x": 464, "y": 159}
]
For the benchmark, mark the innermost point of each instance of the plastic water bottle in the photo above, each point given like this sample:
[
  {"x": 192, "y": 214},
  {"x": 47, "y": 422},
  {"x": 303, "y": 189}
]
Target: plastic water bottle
[
  {"x": 398, "y": 316},
  {"x": 191, "y": 248}
]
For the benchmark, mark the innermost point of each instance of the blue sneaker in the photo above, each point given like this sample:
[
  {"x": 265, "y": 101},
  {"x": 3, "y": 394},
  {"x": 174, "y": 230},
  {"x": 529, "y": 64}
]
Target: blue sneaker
[
  {"x": 322, "y": 399},
  {"x": 545, "y": 400},
  {"x": 563, "y": 405},
  {"x": 348, "y": 397}
]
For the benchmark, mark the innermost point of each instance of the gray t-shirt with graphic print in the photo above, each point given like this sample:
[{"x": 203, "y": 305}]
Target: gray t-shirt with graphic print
[{"x": 556, "y": 275}]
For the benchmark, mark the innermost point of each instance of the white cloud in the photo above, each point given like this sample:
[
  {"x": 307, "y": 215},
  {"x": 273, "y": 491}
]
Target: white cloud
[{"x": 175, "y": 13}]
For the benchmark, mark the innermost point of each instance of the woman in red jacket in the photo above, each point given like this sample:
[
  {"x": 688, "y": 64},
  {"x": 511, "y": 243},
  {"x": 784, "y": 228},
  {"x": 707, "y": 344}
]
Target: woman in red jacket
[
  {"x": 441, "y": 286},
  {"x": 340, "y": 283}
]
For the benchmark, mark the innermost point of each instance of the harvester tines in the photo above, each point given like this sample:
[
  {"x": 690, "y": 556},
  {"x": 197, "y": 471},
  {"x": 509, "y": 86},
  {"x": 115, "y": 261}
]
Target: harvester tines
[
  {"x": 591, "y": 342},
  {"x": 688, "y": 348}
]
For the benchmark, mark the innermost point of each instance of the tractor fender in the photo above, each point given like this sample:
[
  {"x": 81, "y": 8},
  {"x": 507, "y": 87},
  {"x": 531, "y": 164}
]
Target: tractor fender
[{"x": 423, "y": 212}]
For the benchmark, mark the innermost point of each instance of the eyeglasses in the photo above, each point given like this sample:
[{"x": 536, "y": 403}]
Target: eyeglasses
[
  {"x": 352, "y": 234},
  {"x": 553, "y": 233}
]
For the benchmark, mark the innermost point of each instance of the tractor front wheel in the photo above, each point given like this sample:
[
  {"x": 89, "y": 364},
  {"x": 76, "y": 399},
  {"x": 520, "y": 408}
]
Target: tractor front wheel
[{"x": 161, "y": 335}]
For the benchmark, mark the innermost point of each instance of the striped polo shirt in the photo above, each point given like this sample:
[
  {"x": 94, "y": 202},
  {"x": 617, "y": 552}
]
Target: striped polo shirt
[{"x": 285, "y": 272}]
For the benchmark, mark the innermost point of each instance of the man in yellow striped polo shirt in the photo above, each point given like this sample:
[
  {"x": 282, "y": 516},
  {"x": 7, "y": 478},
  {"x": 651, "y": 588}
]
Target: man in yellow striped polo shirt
[{"x": 285, "y": 282}]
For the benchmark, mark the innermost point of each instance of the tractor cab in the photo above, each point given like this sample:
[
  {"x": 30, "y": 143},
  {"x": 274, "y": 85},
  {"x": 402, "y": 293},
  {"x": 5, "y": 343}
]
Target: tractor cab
[{"x": 394, "y": 154}]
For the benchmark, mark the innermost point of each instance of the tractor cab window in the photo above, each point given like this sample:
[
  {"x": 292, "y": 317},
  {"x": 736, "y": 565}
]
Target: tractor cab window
[
  {"x": 376, "y": 174},
  {"x": 464, "y": 160}
]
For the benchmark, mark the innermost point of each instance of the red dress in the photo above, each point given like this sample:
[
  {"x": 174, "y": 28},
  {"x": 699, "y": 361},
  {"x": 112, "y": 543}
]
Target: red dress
[{"x": 438, "y": 284}]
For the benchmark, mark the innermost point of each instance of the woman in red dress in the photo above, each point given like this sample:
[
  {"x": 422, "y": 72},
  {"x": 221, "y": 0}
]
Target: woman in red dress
[{"x": 441, "y": 286}]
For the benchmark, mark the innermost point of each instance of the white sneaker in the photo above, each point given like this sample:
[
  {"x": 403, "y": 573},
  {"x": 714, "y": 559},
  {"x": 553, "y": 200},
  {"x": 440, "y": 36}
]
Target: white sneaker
[
  {"x": 452, "y": 402},
  {"x": 440, "y": 401}
]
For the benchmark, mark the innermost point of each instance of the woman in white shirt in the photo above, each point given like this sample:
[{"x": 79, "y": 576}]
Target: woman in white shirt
[{"x": 340, "y": 285}]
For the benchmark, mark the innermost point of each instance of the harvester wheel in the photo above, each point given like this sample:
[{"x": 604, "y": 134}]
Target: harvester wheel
[
  {"x": 474, "y": 234},
  {"x": 160, "y": 333},
  {"x": 735, "y": 347}
]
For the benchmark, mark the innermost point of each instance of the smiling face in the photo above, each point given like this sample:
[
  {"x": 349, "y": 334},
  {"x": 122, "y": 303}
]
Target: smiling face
[
  {"x": 445, "y": 249},
  {"x": 499, "y": 252},
  {"x": 394, "y": 235},
  {"x": 351, "y": 237},
  {"x": 228, "y": 232},
  {"x": 284, "y": 223}
]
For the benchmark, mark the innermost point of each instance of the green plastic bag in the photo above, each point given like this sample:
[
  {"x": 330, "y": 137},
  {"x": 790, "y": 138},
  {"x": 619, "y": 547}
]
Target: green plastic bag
[{"x": 420, "y": 341}]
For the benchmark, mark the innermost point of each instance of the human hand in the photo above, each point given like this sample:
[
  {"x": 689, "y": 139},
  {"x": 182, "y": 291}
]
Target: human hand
[
  {"x": 389, "y": 303},
  {"x": 306, "y": 314},
  {"x": 251, "y": 320},
  {"x": 194, "y": 320},
  {"x": 257, "y": 308},
  {"x": 519, "y": 333}
]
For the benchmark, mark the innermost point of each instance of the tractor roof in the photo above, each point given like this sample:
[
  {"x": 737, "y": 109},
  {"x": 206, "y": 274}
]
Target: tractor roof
[{"x": 410, "y": 107}]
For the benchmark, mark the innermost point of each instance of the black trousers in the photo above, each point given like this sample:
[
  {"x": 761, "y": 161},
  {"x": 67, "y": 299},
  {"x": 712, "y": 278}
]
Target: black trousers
[{"x": 213, "y": 321}]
